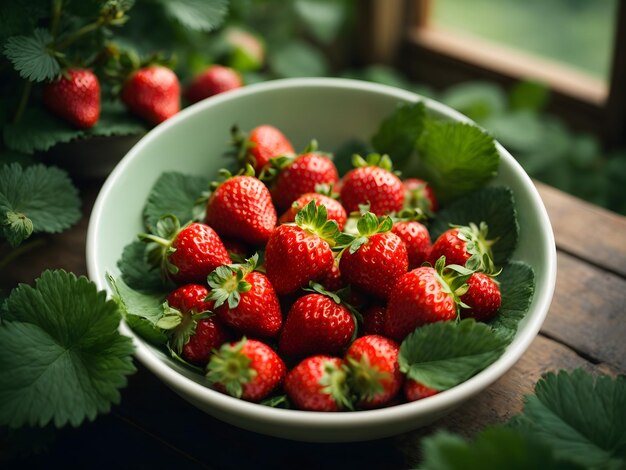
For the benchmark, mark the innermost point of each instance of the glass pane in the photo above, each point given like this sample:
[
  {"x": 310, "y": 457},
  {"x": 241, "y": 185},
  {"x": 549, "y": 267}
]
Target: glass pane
[{"x": 578, "y": 33}]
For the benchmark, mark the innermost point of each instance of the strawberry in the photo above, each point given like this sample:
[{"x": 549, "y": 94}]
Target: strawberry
[
  {"x": 185, "y": 254},
  {"x": 333, "y": 280},
  {"x": 300, "y": 253},
  {"x": 373, "y": 183},
  {"x": 301, "y": 176},
  {"x": 375, "y": 375},
  {"x": 241, "y": 207},
  {"x": 466, "y": 246},
  {"x": 419, "y": 195},
  {"x": 414, "y": 390},
  {"x": 482, "y": 297},
  {"x": 261, "y": 144},
  {"x": 318, "y": 383},
  {"x": 237, "y": 251},
  {"x": 153, "y": 93},
  {"x": 245, "y": 300},
  {"x": 375, "y": 259},
  {"x": 334, "y": 208},
  {"x": 317, "y": 324},
  {"x": 214, "y": 80},
  {"x": 75, "y": 97},
  {"x": 247, "y": 369},
  {"x": 192, "y": 333},
  {"x": 424, "y": 295},
  {"x": 416, "y": 238},
  {"x": 373, "y": 320}
]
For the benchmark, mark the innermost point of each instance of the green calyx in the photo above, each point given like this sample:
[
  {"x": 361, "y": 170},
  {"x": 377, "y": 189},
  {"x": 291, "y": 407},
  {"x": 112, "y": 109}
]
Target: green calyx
[
  {"x": 478, "y": 246},
  {"x": 276, "y": 165},
  {"x": 416, "y": 199},
  {"x": 414, "y": 214},
  {"x": 368, "y": 225},
  {"x": 366, "y": 380},
  {"x": 224, "y": 175},
  {"x": 335, "y": 382},
  {"x": 160, "y": 247},
  {"x": 314, "y": 219},
  {"x": 179, "y": 326},
  {"x": 453, "y": 279},
  {"x": 373, "y": 159},
  {"x": 228, "y": 282},
  {"x": 326, "y": 189},
  {"x": 230, "y": 367}
]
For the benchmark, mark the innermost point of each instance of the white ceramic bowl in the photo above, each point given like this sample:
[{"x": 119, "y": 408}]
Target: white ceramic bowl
[{"x": 332, "y": 111}]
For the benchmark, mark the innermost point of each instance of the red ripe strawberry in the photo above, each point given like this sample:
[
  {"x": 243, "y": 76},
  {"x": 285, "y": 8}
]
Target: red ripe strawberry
[
  {"x": 424, "y": 295},
  {"x": 334, "y": 208},
  {"x": 245, "y": 300},
  {"x": 375, "y": 259},
  {"x": 372, "y": 182},
  {"x": 373, "y": 320},
  {"x": 414, "y": 390},
  {"x": 213, "y": 81},
  {"x": 301, "y": 176},
  {"x": 237, "y": 251},
  {"x": 191, "y": 333},
  {"x": 298, "y": 254},
  {"x": 416, "y": 238},
  {"x": 75, "y": 97},
  {"x": 261, "y": 144},
  {"x": 420, "y": 195},
  {"x": 482, "y": 297},
  {"x": 318, "y": 383},
  {"x": 247, "y": 369},
  {"x": 185, "y": 255},
  {"x": 466, "y": 246},
  {"x": 375, "y": 375},
  {"x": 241, "y": 207},
  {"x": 153, "y": 93},
  {"x": 316, "y": 324},
  {"x": 333, "y": 280}
]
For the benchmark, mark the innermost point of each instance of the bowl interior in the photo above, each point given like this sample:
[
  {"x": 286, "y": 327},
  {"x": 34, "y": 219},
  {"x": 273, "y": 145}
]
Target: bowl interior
[{"x": 333, "y": 111}]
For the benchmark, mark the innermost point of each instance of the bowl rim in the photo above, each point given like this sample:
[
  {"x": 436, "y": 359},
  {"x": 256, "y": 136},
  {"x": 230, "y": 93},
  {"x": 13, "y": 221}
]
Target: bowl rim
[{"x": 313, "y": 419}]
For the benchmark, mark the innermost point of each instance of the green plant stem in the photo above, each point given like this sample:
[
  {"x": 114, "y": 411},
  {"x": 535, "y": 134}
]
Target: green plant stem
[
  {"x": 28, "y": 86},
  {"x": 88, "y": 28},
  {"x": 57, "y": 6},
  {"x": 20, "y": 250}
]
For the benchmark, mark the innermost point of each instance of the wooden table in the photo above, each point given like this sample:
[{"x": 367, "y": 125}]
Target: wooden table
[{"x": 152, "y": 426}]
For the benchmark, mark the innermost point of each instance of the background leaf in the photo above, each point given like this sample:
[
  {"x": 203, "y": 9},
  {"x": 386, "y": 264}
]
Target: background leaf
[
  {"x": 582, "y": 418},
  {"x": 444, "y": 354},
  {"x": 477, "y": 100},
  {"x": 137, "y": 273},
  {"x": 493, "y": 449},
  {"x": 323, "y": 18},
  {"x": 298, "y": 59},
  {"x": 31, "y": 56},
  {"x": 529, "y": 95},
  {"x": 200, "y": 15},
  {"x": 493, "y": 205},
  {"x": 43, "y": 194},
  {"x": 62, "y": 358}
]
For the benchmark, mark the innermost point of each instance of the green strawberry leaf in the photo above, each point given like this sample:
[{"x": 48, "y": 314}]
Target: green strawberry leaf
[
  {"x": 398, "y": 134},
  {"x": 197, "y": 15},
  {"x": 136, "y": 271},
  {"x": 581, "y": 417},
  {"x": 495, "y": 448},
  {"x": 343, "y": 154},
  {"x": 32, "y": 57},
  {"x": 35, "y": 199},
  {"x": 62, "y": 359},
  {"x": 455, "y": 158},
  {"x": 141, "y": 311},
  {"x": 517, "y": 286},
  {"x": 444, "y": 354},
  {"x": 493, "y": 205},
  {"x": 174, "y": 193},
  {"x": 39, "y": 130}
]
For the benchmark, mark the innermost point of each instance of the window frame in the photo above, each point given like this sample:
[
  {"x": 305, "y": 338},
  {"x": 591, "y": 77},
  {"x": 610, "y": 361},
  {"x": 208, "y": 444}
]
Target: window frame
[{"x": 400, "y": 35}]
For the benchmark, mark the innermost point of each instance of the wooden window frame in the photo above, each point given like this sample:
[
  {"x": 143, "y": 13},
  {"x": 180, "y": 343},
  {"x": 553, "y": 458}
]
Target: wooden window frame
[{"x": 398, "y": 34}]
